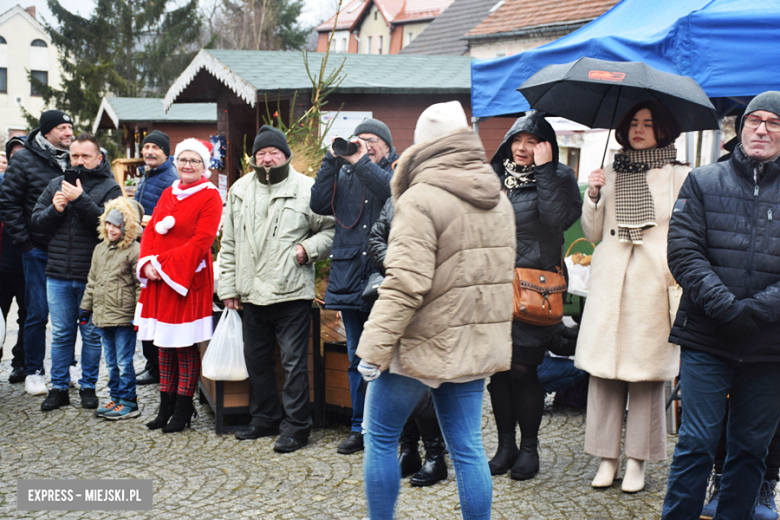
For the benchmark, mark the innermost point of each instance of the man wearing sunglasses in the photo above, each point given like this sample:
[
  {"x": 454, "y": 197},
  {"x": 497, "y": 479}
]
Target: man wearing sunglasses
[
  {"x": 354, "y": 189},
  {"x": 724, "y": 250}
]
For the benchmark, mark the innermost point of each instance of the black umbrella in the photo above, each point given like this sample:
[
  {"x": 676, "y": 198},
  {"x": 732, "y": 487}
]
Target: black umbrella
[{"x": 597, "y": 93}]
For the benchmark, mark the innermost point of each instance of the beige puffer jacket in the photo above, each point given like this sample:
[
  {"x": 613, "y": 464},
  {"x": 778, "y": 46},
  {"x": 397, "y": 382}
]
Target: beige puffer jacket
[
  {"x": 446, "y": 301},
  {"x": 112, "y": 287}
]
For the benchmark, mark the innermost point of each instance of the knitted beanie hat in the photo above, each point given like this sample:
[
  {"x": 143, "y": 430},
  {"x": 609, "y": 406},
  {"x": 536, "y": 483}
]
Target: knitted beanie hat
[
  {"x": 115, "y": 217},
  {"x": 270, "y": 136},
  {"x": 769, "y": 101},
  {"x": 376, "y": 127},
  {"x": 439, "y": 120},
  {"x": 52, "y": 118},
  {"x": 200, "y": 147},
  {"x": 160, "y": 139}
]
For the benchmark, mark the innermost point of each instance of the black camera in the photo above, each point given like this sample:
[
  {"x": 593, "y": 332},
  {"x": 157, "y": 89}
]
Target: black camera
[{"x": 342, "y": 147}]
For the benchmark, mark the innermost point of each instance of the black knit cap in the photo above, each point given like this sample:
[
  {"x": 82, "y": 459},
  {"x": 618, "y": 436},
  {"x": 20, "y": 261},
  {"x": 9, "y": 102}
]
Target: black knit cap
[
  {"x": 52, "y": 118},
  {"x": 160, "y": 139},
  {"x": 376, "y": 127},
  {"x": 270, "y": 136}
]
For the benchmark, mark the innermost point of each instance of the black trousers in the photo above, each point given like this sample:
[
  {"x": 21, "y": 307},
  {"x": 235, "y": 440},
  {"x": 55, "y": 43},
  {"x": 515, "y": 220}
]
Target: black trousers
[
  {"x": 289, "y": 324},
  {"x": 152, "y": 357},
  {"x": 12, "y": 286}
]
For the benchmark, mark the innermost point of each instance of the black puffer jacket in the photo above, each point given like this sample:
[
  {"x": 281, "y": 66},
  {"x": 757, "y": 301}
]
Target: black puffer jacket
[
  {"x": 28, "y": 174},
  {"x": 543, "y": 211},
  {"x": 76, "y": 228},
  {"x": 724, "y": 251},
  {"x": 380, "y": 234}
]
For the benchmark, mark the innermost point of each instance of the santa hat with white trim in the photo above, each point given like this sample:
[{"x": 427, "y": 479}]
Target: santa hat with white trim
[{"x": 200, "y": 147}]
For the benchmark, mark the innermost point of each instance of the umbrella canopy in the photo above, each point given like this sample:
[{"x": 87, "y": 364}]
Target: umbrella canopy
[{"x": 597, "y": 93}]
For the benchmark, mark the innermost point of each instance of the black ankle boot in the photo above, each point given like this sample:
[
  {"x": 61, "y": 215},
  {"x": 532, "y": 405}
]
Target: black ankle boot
[
  {"x": 167, "y": 401},
  {"x": 527, "y": 465},
  {"x": 435, "y": 468},
  {"x": 506, "y": 454},
  {"x": 182, "y": 414},
  {"x": 409, "y": 456}
]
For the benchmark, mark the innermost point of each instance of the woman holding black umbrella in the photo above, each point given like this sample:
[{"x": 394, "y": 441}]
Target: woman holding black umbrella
[
  {"x": 623, "y": 341},
  {"x": 546, "y": 201}
]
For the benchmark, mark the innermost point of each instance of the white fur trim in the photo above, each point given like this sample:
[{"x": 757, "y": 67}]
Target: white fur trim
[
  {"x": 193, "y": 145},
  {"x": 163, "y": 226},
  {"x": 167, "y": 279},
  {"x": 139, "y": 270},
  {"x": 180, "y": 193},
  {"x": 175, "y": 334}
]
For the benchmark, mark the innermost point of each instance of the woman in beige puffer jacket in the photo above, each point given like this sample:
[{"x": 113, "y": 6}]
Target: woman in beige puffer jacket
[{"x": 444, "y": 313}]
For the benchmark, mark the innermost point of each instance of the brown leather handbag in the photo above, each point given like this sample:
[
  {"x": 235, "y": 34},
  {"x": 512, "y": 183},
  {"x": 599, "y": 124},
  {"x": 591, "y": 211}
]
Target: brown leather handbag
[{"x": 538, "y": 296}]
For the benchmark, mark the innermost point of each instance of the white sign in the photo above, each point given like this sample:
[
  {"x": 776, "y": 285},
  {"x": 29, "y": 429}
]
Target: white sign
[
  {"x": 223, "y": 189},
  {"x": 344, "y": 124}
]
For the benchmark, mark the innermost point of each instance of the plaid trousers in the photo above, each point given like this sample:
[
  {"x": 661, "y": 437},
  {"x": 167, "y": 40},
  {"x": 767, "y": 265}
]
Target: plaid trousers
[{"x": 179, "y": 369}]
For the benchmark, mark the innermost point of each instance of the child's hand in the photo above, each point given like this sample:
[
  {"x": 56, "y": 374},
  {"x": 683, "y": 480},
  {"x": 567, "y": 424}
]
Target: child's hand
[{"x": 84, "y": 317}]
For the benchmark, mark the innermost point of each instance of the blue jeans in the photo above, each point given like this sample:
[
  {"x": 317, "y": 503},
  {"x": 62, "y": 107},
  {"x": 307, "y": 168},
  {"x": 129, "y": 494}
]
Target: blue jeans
[
  {"x": 353, "y": 325},
  {"x": 119, "y": 348},
  {"x": 391, "y": 399},
  {"x": 558, "y": 374},
  {"x": 64, "y": 298},
  {"x": 37, "y": 307},
  {"x": 754, "y": 410}
]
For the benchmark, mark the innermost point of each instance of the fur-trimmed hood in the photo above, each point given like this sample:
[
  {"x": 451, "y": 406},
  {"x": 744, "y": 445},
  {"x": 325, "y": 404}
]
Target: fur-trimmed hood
[
  {"x": 456, "y": 163},
  {"x": 132, "y": 213}
]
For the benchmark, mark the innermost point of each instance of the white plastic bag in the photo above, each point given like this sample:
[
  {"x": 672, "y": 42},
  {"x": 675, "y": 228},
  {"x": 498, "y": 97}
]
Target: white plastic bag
[
  {"x": 224, "y": 359},
  {"x": 579, "y": 278}
]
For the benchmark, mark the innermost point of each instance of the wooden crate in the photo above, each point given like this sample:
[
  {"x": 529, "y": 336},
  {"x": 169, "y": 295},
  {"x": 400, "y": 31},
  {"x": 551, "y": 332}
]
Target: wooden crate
[{"x": 231, "y": 398}]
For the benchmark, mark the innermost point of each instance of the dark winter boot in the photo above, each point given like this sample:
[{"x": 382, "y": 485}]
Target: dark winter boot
[
  {"x": 527, "y": 465},
  {"x": 409, "y": 456},
  {"x": 167, "y": 401},
  {"x": 435, "y": 468},
  {"x": 182, "y": 414},
  {"x": 506, "y": 454}
]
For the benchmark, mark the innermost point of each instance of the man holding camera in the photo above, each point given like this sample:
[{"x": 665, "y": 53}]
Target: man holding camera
[
  {"x": 44, "y": 157},
  {"x": 353, "y": 188},
  {"x": 70, "y": 206}
]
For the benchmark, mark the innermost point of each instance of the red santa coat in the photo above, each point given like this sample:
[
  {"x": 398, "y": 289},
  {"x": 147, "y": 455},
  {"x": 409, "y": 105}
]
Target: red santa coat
[{"x": 176, "y": 310}]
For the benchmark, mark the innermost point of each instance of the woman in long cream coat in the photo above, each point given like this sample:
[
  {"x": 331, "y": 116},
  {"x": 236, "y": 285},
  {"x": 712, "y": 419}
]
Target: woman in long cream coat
[{"x": 623, "y": 341}]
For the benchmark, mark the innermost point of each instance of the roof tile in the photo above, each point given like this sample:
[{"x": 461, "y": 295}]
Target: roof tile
[{"x": 443, "y": 34}]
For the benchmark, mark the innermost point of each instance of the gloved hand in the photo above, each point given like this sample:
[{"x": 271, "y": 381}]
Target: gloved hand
[
  {"x": 84, "y": 317},
  {"x": 745, "y": 324},
  {"x": 369, "y": 370}
]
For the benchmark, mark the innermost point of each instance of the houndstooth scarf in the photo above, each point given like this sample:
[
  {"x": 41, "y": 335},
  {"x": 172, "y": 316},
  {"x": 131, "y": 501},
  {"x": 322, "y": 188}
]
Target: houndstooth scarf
[
  {"x": 517, "y": 175},
  {"x": 634, "y": 206}
]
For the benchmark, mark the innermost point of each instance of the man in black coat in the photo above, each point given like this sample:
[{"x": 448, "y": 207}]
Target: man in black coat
[
  {"x": 724, "y": 251},
  {"x": 72, "y": 211},
  {"x": 44, "y": 157}
]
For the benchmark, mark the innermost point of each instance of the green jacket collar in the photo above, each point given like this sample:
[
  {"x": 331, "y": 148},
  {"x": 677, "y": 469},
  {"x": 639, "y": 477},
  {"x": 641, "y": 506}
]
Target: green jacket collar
[{"x": 273, "y": 175}]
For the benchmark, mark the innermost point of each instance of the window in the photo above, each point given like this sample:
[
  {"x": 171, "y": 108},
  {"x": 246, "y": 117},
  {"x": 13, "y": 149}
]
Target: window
[
  {"x": 38, "y": 43},
  {"x": 343, "y": 45},
  {"x": 409, "y": 38},
  {"x": 375, "y": 14},
  {"x": 40, "y": 75},
  {"x": 368, "y": 47},
  {"x": 3, "y": 80},
  {"x": 379, "y": 44}
]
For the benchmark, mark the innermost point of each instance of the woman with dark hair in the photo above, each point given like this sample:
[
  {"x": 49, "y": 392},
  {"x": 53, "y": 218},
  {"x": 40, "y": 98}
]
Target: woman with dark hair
[
  {"x": 624, "y": 335},
  {"x": 546, "y": 201},
  {"x": 176, "y": 274}
]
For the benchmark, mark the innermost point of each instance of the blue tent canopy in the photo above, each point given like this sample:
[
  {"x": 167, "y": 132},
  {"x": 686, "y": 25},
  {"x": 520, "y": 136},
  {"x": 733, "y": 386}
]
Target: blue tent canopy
[{"x": 730, "y": 47}]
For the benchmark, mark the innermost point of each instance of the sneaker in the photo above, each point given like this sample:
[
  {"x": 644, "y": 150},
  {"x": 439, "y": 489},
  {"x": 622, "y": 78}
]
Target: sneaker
[
  {"x": 100, "y": 412},
  {"x": 124, "y": 410},
  {"x": 75, "y": 376},
  {"x": 55, "y": 399},
  {"x": 708, "y": 512},
  {"x": 765, "y": 507},
  {"x": 35, "y": 384},
  {"x": 88, "y": 398}
]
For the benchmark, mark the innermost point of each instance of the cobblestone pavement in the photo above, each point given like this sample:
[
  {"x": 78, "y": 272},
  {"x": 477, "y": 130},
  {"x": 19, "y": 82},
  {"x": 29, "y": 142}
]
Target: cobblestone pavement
[{"x": 198, "y": 474}]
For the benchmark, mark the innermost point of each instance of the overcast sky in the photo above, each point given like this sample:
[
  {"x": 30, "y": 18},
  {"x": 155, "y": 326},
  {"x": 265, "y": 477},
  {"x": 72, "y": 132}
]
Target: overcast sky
[{"x": 314, "y": 12}]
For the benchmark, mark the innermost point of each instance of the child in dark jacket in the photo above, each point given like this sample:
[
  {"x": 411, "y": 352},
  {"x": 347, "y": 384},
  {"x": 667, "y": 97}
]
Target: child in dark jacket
[{"x": 110, "y": 297}]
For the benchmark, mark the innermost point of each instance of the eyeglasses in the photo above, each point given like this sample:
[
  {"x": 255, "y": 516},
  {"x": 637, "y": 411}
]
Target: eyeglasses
[
  {"x": 193, "y": 162},
  {"x": 772, "y": 125},
  {"x": 370, "y": 140}
]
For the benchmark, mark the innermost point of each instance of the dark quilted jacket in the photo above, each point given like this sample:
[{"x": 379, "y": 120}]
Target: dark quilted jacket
[
  {"x": 543, "y": 211},
  {"x": 380, "y": 235},
  {"x": 153, "y": 183},
  {"x": 361, "y": 191},
  {"x": 76, "y": 228},
  {"x": 724, "y": 251},
  {"x": 28, "y": 174}
]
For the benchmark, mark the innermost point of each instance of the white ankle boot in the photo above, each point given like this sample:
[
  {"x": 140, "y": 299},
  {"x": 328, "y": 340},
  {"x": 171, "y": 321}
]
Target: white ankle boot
[
  {"x": 634, "y": 481},
  {"x": 609, "y": 471}
]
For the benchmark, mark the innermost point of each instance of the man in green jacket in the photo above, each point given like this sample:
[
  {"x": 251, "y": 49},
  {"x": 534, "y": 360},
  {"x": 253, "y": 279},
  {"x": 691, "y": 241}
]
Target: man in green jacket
[{"x": 270, "y": 242}]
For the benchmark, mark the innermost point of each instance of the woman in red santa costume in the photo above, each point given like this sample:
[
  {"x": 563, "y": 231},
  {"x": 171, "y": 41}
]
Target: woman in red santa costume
[{"x": 175, "y": 270}]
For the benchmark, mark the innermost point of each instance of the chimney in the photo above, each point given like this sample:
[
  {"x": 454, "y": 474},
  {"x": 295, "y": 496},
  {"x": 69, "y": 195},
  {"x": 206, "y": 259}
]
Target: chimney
[{"x": 31, "y": 10}]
